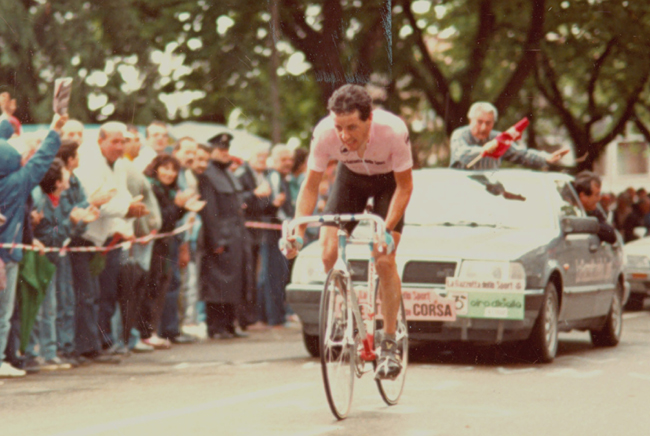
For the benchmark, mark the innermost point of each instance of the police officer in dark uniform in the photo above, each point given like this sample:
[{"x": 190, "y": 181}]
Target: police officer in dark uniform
[{"x": 226, "y": 274}]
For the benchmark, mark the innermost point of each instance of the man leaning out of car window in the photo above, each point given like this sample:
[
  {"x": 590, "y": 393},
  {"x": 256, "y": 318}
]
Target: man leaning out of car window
[{"x": 587, "y": 185}]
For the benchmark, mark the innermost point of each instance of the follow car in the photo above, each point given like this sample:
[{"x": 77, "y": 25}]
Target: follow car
[{"x": 491, "y": 257}]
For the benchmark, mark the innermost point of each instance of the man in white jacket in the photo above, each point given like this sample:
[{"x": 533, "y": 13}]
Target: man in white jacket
[{"x": 109, "y": 173}]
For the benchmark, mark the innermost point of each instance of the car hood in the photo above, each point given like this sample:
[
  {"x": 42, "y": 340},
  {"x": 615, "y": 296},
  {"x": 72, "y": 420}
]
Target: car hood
[
  {"x": 463, "y": 242},
  {"x": 458, "y": 242},
  {"x": 638, "y": 247}
]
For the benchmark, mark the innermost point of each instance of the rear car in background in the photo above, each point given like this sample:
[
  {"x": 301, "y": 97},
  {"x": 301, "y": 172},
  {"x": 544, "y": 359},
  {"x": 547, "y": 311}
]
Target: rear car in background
[
  {"x": 491, "y": 257},
  {"x": 637, "y": 272}
]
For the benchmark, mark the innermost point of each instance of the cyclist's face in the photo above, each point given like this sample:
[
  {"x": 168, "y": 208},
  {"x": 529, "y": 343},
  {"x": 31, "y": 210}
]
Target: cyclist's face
[
  {"x": 481, "y": 125},
  {"x": 352, "y": 131}
]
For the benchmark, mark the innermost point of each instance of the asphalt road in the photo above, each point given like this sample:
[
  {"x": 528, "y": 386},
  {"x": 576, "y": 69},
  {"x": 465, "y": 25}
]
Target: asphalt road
[{"x": 267, "y": 385}]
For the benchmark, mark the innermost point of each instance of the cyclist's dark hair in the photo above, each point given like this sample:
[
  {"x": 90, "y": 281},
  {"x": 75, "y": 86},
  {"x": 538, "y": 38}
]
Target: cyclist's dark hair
[
  {"x": 583, "y": 181},
  {"x": 349, "y": 98},
  {"x": 53, "y": 175},
  {"x": 68, "y": 150}
]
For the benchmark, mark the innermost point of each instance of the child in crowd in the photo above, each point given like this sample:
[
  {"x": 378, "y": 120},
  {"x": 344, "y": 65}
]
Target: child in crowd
[
  {"x": 54, "y": 227},
  {"x": 163, "y": 175}
]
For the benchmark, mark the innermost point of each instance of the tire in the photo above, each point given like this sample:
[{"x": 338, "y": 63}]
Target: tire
[
  {"x": 610, "y": 334},
  {"x": 635, "y": 302},
  {"x": 311, "y": 343},
  {"x": 336, "y": 350},
  {"x": 391, "y": 390},
  {"x": 542, "y": 342}
]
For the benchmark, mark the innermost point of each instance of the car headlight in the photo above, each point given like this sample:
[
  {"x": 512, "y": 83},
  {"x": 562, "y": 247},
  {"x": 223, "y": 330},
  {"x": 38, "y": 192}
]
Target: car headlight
[
  {"x": 490, "y": 270},
  {"x": 638, "y": 261},
  {"x": 308, "y": 270}
]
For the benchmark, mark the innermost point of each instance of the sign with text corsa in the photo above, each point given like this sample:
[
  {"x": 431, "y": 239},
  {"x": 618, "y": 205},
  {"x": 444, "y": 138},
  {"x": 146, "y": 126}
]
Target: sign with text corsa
[
  {"x": 419, "y": 305},
  {"x": 487, "y": 299}
]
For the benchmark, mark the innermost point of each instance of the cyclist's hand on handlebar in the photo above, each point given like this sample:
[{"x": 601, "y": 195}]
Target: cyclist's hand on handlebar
[
  {"x": 388, "y": 246},
  {"x": 291, "y": 246}
]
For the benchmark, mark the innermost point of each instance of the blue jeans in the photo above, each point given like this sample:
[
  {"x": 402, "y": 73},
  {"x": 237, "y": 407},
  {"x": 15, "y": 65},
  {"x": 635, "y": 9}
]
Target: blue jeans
[
  {"x": 7, "y": 301},
  {"x": 274, "y": 276},
  {"x": 86, "y": 288},
  {"x": 65, "y": 306},
  {"x": 169, "y": 322},
  {"x": 108, "y": 296},
  {"x": 190, "y": 293},
  {"x": 44, "y": 330}
]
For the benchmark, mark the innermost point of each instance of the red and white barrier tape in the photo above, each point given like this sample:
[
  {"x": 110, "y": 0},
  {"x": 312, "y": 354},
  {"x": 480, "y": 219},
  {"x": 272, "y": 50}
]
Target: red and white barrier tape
[{"x": 125, "y": 244}]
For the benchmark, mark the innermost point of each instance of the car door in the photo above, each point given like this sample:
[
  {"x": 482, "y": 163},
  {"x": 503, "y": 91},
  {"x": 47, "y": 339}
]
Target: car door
[{"x": 577, "y": 254}]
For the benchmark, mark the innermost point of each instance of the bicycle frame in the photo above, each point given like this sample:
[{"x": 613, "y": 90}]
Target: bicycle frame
[{"x": 368, "y": 353}]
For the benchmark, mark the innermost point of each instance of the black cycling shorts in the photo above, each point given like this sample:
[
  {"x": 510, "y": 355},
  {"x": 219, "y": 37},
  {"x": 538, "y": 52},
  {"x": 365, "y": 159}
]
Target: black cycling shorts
[{"x": 351, "y": 192}]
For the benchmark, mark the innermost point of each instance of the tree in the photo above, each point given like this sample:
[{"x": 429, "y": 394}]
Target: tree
[
  {"x": 89, "y": 41},
  {"x": 593, "y": 70},
  {"x": 488, "y": 54}
]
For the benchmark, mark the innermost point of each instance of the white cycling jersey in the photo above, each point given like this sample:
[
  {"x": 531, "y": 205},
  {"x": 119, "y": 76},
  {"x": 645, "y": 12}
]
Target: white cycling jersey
[{"x": 388, "y": 149}]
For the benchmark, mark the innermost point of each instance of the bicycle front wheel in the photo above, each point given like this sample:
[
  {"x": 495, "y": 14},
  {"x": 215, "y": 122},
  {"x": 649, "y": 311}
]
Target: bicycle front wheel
[
  {"x": 391, "y": 390},
  {"x": 336, "y": 350}
]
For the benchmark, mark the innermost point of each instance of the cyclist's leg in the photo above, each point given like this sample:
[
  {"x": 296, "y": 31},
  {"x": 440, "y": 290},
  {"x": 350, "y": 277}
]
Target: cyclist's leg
[
  {"x": 330, "y": 245},
  {"x": 390, "y": 285},
  {"x": 349, "y": 194}
]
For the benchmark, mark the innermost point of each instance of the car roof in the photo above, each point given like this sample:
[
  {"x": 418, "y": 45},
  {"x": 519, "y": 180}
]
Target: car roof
[{"x": 507, "y": 173}]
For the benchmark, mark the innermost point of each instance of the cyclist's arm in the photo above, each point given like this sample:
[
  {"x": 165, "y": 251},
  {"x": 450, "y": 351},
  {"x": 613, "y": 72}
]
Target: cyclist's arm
[
  {"x": 401, "y": 197},
  {"x": 307, "y": 197}
]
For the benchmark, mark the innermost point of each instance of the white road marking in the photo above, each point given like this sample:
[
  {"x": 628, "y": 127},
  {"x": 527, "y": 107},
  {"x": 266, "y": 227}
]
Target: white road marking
[
  {"x": 316, "y": 431},
  {"x": 442, "y": 386},
  {"x": 590, "y": 360},
  {"x": 186, "y": 365},
  {"x": 641, "y": 376},
  {"x": 295, "y": 404},
  {"x": 395, "y": 410},
  {"x": 421, "y": 433},
  {"x": 250, "y": 365},
  {"x": 506, "y": 371},
  {"x": 224, "y": 402},
  {"x": 631, "y": 315},
  {"x": 570, "y": 372}
]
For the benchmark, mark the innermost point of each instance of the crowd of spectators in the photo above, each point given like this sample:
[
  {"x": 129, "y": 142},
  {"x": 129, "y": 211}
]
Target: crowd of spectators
[
  {"x": 628, "y": 212},
  {"x": 109, "y": 288}
]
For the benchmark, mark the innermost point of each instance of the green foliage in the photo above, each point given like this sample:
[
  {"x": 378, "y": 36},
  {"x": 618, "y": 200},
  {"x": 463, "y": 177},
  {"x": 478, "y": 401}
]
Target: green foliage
[{"x": 578, "y": 68}]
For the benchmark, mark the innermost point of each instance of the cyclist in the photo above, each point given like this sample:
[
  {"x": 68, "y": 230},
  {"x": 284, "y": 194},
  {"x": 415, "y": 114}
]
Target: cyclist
[{"x": 375, "y": 161}]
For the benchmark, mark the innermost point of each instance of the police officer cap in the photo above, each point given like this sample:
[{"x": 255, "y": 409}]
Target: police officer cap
[{"x": 222, "y": 140}]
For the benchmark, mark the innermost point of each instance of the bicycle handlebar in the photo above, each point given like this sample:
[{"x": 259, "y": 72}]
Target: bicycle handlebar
[{"x": 289, "y": 226}]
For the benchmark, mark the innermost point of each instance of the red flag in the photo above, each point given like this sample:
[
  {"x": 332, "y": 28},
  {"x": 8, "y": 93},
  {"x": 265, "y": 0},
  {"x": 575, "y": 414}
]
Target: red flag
[{"x": 504, "y": 139}]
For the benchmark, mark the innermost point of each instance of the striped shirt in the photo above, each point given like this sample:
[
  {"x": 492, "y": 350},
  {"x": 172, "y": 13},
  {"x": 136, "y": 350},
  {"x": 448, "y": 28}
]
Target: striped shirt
[{"x": 465, "y": 147}]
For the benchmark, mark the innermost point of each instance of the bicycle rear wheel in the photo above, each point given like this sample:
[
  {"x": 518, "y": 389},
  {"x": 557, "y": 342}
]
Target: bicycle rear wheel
[
  {"x": 391, "y": 390},
  {"x": 336, "y": 351}
]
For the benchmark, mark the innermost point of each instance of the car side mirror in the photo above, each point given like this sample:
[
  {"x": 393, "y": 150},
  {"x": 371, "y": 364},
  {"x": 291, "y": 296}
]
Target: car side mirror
[{"x": 579, "y": 225}]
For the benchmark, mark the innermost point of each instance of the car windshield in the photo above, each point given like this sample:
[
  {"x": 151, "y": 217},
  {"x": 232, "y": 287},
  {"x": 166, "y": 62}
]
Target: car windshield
[{"x": 477, "y": 200}]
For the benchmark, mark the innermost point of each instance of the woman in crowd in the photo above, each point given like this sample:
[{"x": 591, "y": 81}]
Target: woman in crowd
[{"x": 163, "y": 175}]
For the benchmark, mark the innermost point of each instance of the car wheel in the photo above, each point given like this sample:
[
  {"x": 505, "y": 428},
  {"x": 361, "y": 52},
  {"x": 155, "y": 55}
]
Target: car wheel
[
  {"x": 610, "y": 334},
  {"x": 542, "y": 342},
  {"x": 311, "y": 343},
  {"x": 635, "y": 302}
]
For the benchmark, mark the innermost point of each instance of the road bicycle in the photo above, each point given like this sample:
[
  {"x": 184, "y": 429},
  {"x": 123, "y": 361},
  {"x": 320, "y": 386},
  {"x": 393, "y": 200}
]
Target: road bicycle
[{"x": 350, "y": 317}]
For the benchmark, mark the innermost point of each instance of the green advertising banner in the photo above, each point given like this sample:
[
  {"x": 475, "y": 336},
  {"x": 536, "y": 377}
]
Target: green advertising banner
[{"x": 489, "y": 305}]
